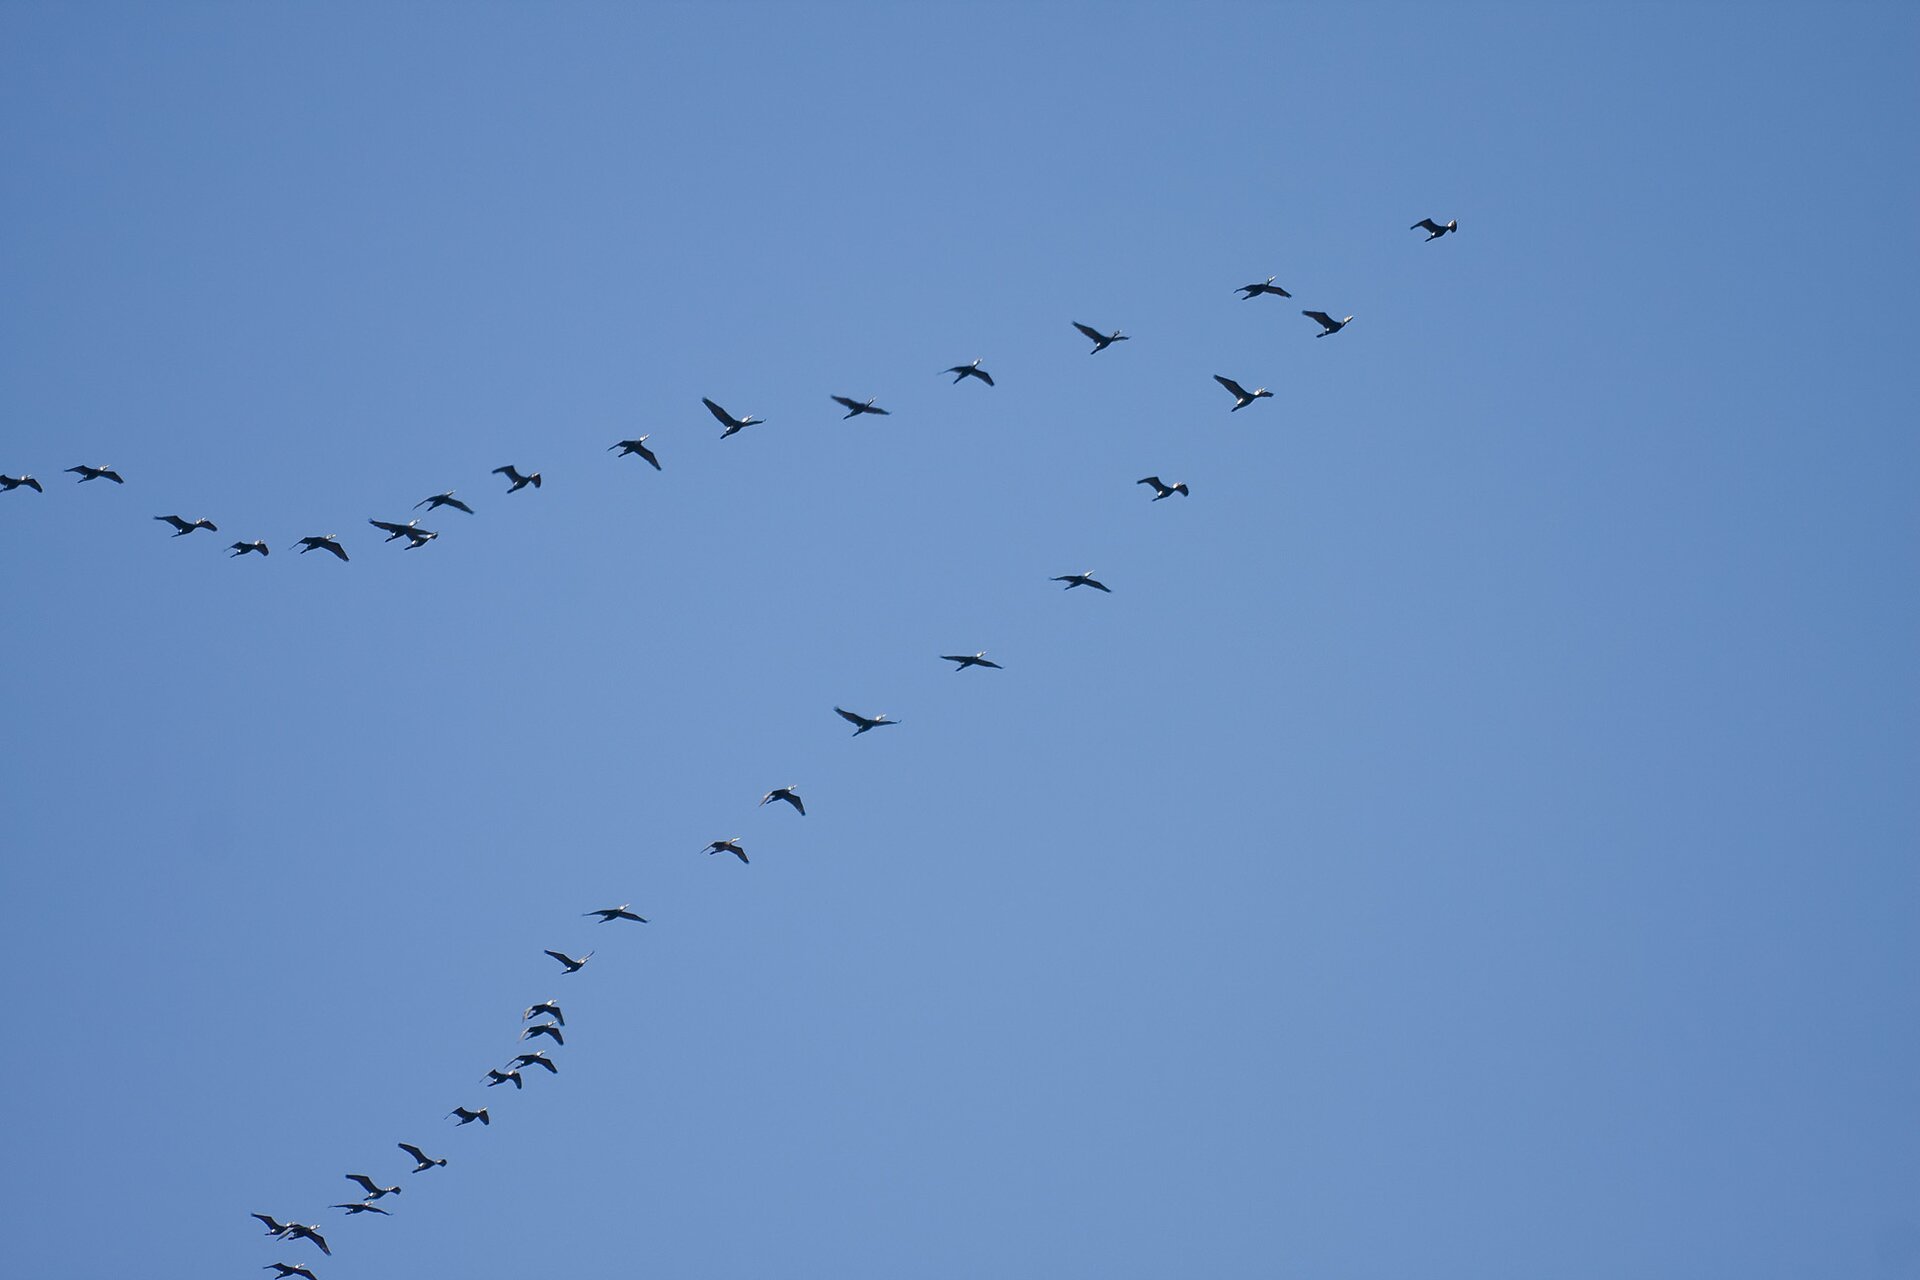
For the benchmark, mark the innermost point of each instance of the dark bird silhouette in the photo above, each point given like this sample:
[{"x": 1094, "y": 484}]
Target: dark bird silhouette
[
  {"x": 1433, "y": 229},
  {"x": 361, "y": 1206},
  {"x": 547, "y": 1029},
  {"x": 571, "y": 965},
  {"x": 962, "y": 372},
  {"x": 1083, "y": 580},
  {"x": 301, "y": 1231},
  {"x": 519, "y": 481},
  {"x": 1241, "y": 396},
  {"x": 637, "y": 446},
  {"x": 373, "y": 1189},
  {"x": 609, "y": 914},
  {"x": 536, "y": 1060},
  {"x": 495, "y": 1077},
  {"x": 728, "y": 846},
  {"x": 242, "y": 548},
  {"x": 1101, "y": 341},
  {"x": 1326, "y": 322},
  {"x": 274, "y": 1228},
  {"x": 284, "y": 1269},
  {"x": 545, "y": 1008},
  {"x": 87, "y": 473},
  {"x": 411, "y": 531},
  {"x": 788, "y": 794},
  {"x": 1248, "y": 292},
  {"x": 855, "y": 408},
  {"x": 422, "y": 1161},
  {"x": 323, "y": 544},
  {"x": 864, "y": 722},
  {"x": 970, "y": 660},
  {"x": 1161, "y": 490},
  {"x": 731, "y": 423},
  {"x": 181, "y": 528},
  {"x": 9, "y": 483},
  {"x": 446, "y": 499},
  {"x": 468, "y": 1117}
]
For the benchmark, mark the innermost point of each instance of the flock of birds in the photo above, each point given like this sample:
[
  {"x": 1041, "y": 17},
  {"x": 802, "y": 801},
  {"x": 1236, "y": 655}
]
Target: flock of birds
[{"x": 553, "y": 1023}]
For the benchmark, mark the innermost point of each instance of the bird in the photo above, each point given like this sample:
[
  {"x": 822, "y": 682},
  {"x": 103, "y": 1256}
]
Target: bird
[
  {"x": 855, "y": 408},
  {"x": 962, "y": 372},
  {"x": 423, "y": 1161},
  {"x": 519, "y": 481},
  {"x": 788, "y": 794},
  {"x": 242, "y": 548},
  {"x": 544, "y": 1029},
  {"x": 1161, "y": 490},
  {"x": 285, "y": 1269},
  {"x": 495, "y": 1077},
  {"x": 1433, "y": 229},
  {"x": 411, "y": 529},
  {"x": 609, "y": 914},
  {"x": 865, "y": 722},
  {"x": 728, "y": 846},
  {"x": 323, "y": 544},
  {"x": 181, "y": 528},
  {"x": 1083, "y": 580},
  {"x": 419, "y": 538},
  {"x": 1248, "y": 292},
  {"x": 9, "y": 483},
  {"x": 1326, "y": 322},
  {"x": 301, "y": 1231},
  {"x": 535, "y": 1060},
  {"x": 87, "y": 473},
  {"x": 572, "y": 965},
  {"x": 274, "y": 1228},
  {"x": 636, "y": 446},
  {"x": 373, "y": 1189},
  {"x": 547, "y": 1008},
  {"x": 1241, "y": 396},
  {"x": 446, "y": 499},
  {"x": 731, "y": 423},
  {"x": 361, "y": 1206},
  {"x": 468, "y": 1117},
  {"x": 970, "y": 660},
  {"x": 1101, "y": 341}
]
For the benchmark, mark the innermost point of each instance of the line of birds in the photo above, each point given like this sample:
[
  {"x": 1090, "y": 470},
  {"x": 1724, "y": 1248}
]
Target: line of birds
[{"x": 553, "y": 1026}]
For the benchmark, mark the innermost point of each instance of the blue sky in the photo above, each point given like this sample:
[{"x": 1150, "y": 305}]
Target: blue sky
[{"x": 1474, "y": 838}]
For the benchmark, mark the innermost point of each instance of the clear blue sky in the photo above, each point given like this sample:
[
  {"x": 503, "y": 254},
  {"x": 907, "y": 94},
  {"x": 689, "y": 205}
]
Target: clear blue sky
[{"x": 1475, "y": 838}]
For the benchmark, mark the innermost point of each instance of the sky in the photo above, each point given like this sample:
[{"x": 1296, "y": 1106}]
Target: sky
[{"x": 1475, "y": 837}]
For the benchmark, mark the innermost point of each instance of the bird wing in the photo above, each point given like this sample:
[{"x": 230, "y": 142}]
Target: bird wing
[
  {"x": 847, "y": 403},
  {"x": 415, "y": 1152},
  {"x": 648, "y": 454},
  {"x": 794, "y": 800},
  {"x": 364, "y": 1181},
  {"x": 1427, "y": 224},
  {"x": 336, "y": 548},
  {"x": 1099, "y": 586},
  {"x": 985, "y": 663},
  {"x": 718, "y": 412},
  {"x": 563, "y": 959},
  {"x": 1092, "y": 333},
  {"x": 984, "y": 376},
  {"x": 1319, "y": 317},
  {"x": 1239, "y": 392},
  {"x": 1152, "y": 480},
  {"x": 508, "y": 472},
  {"x": 456, "y": 504},
  {"x": 387, "y": 526},
  {"x": 849, "y": 716}
]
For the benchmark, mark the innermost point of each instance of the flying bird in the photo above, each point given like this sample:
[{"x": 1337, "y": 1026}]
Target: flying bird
[
  {"x": 423, "y": 1161},
  {"x": 1241, "y": 396},
  {"x": 962, "y": 372},
  {"x": 1248, "y": 292},
  {"x": 285, "y": 1269},
  {"x": 9, "y": 483},
  {"x": 1326, "y": 322},
  {"x": 609, "y": 914},
  {"x": 1083, "y": 580},
  {"x": 242, "y": 548},
  {"x": 727, "y": 420},
  {"x": 788, "y": 794},
  {"x": 970, "y": 660},
  {"x": 495, "y": 1077},
  {"x": 636, "y": 446},
  {"x": 544, "y": 1029},
  {"x": 519, "y": 481},
  {"x": 572, "y": 965},
  {"x": 361, "y": 1206},
  {"x": 1101, "y": 341},
  {"x": 411, "y": 531},
  {"x": 728, "y": 846},
  {"x": 864, "y": 722},
  {"x": 87, "y": 473},
  {"x": 446, "y": 499},
  {"x": 323, "y": 544},
  {"x": 535, "y": 1060},
  {"x": 373, "y": 1189},
  {"x": 468, "y": 1117},
  {"x": 855, "y": 408},
  {"x": 274, "y": 1228},
  {"x": 1161, "y": 490},
  {"x": 1433, "y": 229},
  {"x": 181, "y": 528},
  {"x": 547, "y": 1008},
  {"x": 301, "y": 1231}
]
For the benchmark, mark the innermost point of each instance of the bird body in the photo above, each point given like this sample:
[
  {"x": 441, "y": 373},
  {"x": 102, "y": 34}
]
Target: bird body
[
  {"x": 788, "y": 794},
  {"x": 970, "y": 660},
  {"x": 727, "y": 420},
  {"x": 1248, "y": 292},
  {"x": 609, "y": 914},
  {"x": 628, "y": 447},
  {"x": 546, "y": 1008},
  {"x": 446, "y": 499},
  {"x": 284, "y": 1269},
  {"x": 1101, "y": 341},
  {"x": 1433, "y": 229},
  {"x": 373, "y": 1189},
  {"x": 548, "y": 1029},
  {"x": 326, "y": 543},
  {"x": 495, "y": 1077},
  {"x": 570, "y": 964},
  {"x": 961, "y": 372},
  {"x": 361, "y": 1206},
  {"x": 1083, "y": 580},
  {"x": 728, "y": 846},
  {"x": 468, "y": 1117},
  {"x": 1241, "y": 396},
  {"x": 519, "y": 481},
  {"x": 536, "y": 1060},
  {"x": 242, "y": 548},
  {"x": 855, "y": 408},
  {"x": 9, "y": 483},
  {"x": 87, "y": 473},
  {"x": 181, "y": 528},
  {"x": 1161, "y": 490},
  {"x": 1328, "y": 325},
  {"x": 864, "y": 723},
  {"x": 423, "y": 1161}
]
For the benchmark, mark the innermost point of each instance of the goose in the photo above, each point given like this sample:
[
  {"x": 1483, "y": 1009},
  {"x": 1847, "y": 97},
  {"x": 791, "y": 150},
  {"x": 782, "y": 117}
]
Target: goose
[
  {"x": 1248, "y": 292},
  {"x": 1433, "y": 229},
  {"x": 323, "y": 544},
  {"x": 301, "y": 1231},
  {"x": 9, "y": 483},
  {"x": 285, "y": 1269},
  {"x": 970, "y": 660},
  {"x": 1161, "y": 490},
  {"x": 373, "y": 1189},
  {"x": 519, "y": 481},
  {"x": 865, "y": 722},
  {"x": 361, "y": 1206},
  {"x": 274, "y": 1228},
  {"x": 639, "y": 446},
  {"x": 439, "y": 500},
  {"x": 962, "y": 372},
  {"x": 495, "y": 1077},
  {"x": 609, "y": 914},
  {"x": 544, "y": 1029},
  {"x": 728, "y": 846},
  {"x": 569, "y": 963},
  {"x": 855, "y": 408},
  {"x": 181, "y": 528},
  {"x": 408, "y": 530},
  {"x": 1241, "y": 396},
  {"x": 243, "y": 548},
  {"x": 468, "y": 1117},
  {"x": 1083, "y": 580},
  {"x": 788, "y": 794},
  {"x": 87, "y": 473},
  {"x": 536, "y": 1060},
  {"x": 727, "y": 420},
  {"x": 422, "y": 1161},
  {"x": 547, "y": 1008},
  {"x": 1101, "y": 341},
  {"x": 1326, "y": 322}
]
